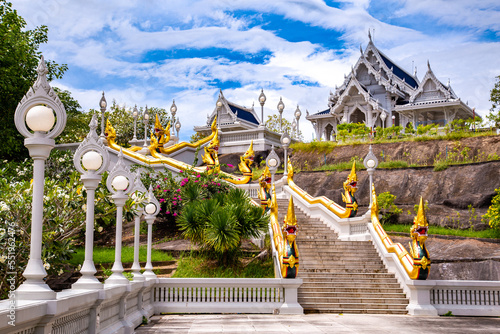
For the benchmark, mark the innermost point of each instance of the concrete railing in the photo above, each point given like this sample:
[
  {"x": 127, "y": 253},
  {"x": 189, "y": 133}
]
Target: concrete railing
[
  {"x": 226, "y": 295},
  {"x": 438, "y": 297},
  {"x": 114, "y": 309}
]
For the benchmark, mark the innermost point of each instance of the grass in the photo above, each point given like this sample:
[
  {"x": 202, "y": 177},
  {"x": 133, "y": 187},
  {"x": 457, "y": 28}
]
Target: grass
[
  {"x": 191, "y": 265},
  {"x": 107, "y": 255},
  {"x": 439, "y": 230}
]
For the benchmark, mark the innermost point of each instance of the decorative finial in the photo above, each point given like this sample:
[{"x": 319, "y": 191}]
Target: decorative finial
[
  {"x": 361, "y": 49},
  {"x": 42, "y": 67},
  {"x": 369, "y": 35},
  {"x": 415, "y": 72},
  {"x": 428, "y": 65},
  {"x": 93, "y": 123},
  {"x": 421, "y": 219}
]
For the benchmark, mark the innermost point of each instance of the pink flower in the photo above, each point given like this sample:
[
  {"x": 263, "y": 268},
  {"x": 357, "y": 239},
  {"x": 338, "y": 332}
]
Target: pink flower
[
  {"x": 195, "y": 180},
  {"x": 168, "y": 212},
  {"x": 175, "y": 214},
  {"x": 180, "y": 171},
  {"x": 162, "y": 200},
  {"x": 218, "y": 184},
  {"x": 158, "y": 187},
  {"x": 198, "y": 175},
  {"x": 174, "y": 203},
  {"x": 165, "y": 190},
  {"x": 185, "y": 180},
  {"x": 229, "y": 165}
]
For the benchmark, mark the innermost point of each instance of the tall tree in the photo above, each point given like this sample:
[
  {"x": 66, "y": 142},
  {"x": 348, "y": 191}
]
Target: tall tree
[
  {"x": 273, "y": 124},
  {"x": 494, "y": 115},
  {"x": 19, "y": 58}
]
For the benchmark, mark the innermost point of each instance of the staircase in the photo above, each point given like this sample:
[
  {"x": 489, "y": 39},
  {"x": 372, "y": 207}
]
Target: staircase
[{"x": 341, "y": 276}]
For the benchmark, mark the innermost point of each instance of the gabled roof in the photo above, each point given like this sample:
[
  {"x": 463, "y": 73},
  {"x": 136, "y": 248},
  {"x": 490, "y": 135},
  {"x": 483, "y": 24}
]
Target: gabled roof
[
  {"x": 447, "y": 92},
  {"x": 400, "y": 73},
  {"x": 324, "y": 112},
  {"x": 242, "y": 113}
]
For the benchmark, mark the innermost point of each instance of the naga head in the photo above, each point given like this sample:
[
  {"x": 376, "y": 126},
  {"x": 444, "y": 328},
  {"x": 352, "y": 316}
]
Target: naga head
[
  {"x": 162, "y": 135},
  {"x": 109, "y": 132},
  {"x": 249, "y": 155},
  {"x": 350, "y": 184},
  {"x": 420, "y": 225},
  {"x": 214, "y": 143},
  {"x": 290, "y": 224}
]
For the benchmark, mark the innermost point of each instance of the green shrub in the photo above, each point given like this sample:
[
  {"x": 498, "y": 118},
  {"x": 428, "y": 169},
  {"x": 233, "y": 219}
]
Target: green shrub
[
  {"x": 493, "y": 213},
  {"x": 389, "y": 210}
]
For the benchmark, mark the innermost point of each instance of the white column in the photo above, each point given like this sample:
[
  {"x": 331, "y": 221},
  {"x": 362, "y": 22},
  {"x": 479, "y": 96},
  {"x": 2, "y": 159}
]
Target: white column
[
  {"x": 117, "y": 277},
  {"x": 88, "y": 280},
  {"x": 34, "y": 288},
  {"x": 149, "y": 274},
  {"x": 136, "y": 266}
]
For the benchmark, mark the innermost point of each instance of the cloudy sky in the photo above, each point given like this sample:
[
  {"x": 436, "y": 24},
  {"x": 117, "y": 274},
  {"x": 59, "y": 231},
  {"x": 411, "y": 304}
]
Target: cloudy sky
[{"x": 150, "y": 52}]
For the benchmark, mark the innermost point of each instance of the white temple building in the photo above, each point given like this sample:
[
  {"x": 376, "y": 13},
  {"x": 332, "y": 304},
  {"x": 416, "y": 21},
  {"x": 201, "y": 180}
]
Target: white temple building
[
  {"x": 238, "y": 126},
  {"x": 378, "y": 92}
]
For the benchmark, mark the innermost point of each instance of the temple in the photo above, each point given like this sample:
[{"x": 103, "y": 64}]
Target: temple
[
  {"x": 238, "y": 126},
  {"x": 378, "y": 92}
]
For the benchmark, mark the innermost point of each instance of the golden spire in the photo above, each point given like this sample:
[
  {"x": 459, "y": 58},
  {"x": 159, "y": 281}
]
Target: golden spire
[
  {"x": 290, "y": 218},
  {"x": 352, "y": 176},
  {"x": 250, "y": 149},
  {"x": 158, "y": 123},
  {"x": 421, "y": 219}
]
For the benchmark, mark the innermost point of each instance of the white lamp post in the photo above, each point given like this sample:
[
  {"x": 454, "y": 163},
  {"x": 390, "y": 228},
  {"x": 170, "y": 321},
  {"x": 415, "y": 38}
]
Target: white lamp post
[
  {"x": 90, "y": 159},
  {"x": 281, "y": 107},
  {"x": 178, "y": 128},
  {"x": 173, "y": 111},
  {"x": 272, "y": 162},
  {"x": 102, "y": 105},
  {"x": 219, "y": 107},
  {"x": 285, "y": 142},
  {"x": 119, "y": 184},
  {"x": 145, "y": 119},
  {"x": 262, "y": 100},
  {"x": 151, "y": 209},
  {"x": 298, "y": 113},
  {"x": 294, "y": 126},
  {"x": 393, "y": 120},
  {"x": 139, "y": 191},
  {"x": 370, "y": 163},
  {"x": 36, "y": 110},
  {"x": 135, "y": 115},
  {"x": 383, "y": 116}
]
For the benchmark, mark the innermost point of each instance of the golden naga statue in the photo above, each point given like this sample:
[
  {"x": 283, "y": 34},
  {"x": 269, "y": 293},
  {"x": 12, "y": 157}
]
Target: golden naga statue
[
  {"x": 162, "y": 135},
  {"x": 265, "y": 187},
  {"x": 350, "y": 187},
  {"x": 246, "y": 161},
  {"x": 211, "y": 156},
  {"x": 285, "y": 238},
  {"x": 418, "y": 264}
]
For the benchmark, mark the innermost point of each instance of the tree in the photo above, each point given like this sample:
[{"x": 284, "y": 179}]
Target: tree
[
  {"x": 19, "y": 58},
  {"x": 494, "y": 115},
  {"x": 273, "y": 124}
]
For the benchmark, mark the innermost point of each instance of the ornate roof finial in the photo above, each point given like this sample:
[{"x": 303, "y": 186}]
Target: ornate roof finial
[
  {"x": 93, "y": 123},
  {"x": 42, "y": 67},
  {"x": 361, "y": 49},
  {"x": 369, "y": 35},
  {"x": 428, "y": 65},
  {"x": 415, "y": 72},
  {"x": 449, "y": 84}
]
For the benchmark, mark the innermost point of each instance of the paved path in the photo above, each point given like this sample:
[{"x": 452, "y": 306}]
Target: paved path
[{"x": 319, "y": 323}]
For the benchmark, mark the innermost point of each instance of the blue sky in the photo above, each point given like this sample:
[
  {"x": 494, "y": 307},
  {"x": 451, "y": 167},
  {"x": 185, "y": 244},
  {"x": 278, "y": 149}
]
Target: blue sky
[{"x": 150, "y": 52}]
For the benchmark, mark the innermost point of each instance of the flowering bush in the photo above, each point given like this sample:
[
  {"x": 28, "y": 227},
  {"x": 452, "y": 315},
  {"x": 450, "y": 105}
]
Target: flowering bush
[{"x": 493, "y": 213}]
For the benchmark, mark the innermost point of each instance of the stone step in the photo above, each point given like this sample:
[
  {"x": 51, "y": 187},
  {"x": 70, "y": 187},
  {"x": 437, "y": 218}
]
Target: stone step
[
  {"x": 336, "y": 276},
  {"x": 332, "y": 309},
  {"x": 333, "y": 270},
  {"x": 350, "y": 285},
  {"x": 348, "y": 291},
  {"x": 305, "y": 299},
  {"x": 356, "y": 305}
]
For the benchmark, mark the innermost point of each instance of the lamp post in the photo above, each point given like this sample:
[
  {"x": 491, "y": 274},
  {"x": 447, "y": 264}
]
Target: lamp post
[
  {"x": 272, "y": 162},
  {"x": 370, "y": 163},
  {"x": 102, "y": 105},
  {"x": 298, "y": 113},
  {"x": 138, "y": 192},
  {"x": 135, "y": 115},
  {"x": 173, "y": 110},
  {"x": 178, "y": 128},
  {"x": 36, "y": 110},
  {"x": 119, "y": 184},
  {"x": 262, "y": 100},
  {"x": 219, "y": 107},
  {"x": 294, "y": 126},
  {"x": 90, "y": 160},
  {"x": 145, "y": 119},
  {"x": 285, "y": 141},
  {"x": 152, "y": 208},
  {"x": 281, "y": 107},
  {"x": 393, "y": 120},
  {"x": 383, "y": 116}
]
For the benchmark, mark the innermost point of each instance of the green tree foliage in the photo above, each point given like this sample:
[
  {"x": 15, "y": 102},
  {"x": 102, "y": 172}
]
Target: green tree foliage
[
  {"x": 347, "y": 131},
  {"x": 494, "y": 115},
  {"x": 19, "y": 57},
  {"x": 389, "y": 210},
  {"x": 273, "y": 124},
  {"x": 493, "y": 213}
]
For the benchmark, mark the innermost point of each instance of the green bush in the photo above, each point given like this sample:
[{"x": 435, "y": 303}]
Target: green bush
[
  {"x": 493, "y": 213},
  {"x": 389, "y": 210}
]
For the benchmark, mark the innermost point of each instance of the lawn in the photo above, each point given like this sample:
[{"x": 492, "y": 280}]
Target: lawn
[
  {"x": 107, "y": 255},
  {"x": 439, "y": 230}
]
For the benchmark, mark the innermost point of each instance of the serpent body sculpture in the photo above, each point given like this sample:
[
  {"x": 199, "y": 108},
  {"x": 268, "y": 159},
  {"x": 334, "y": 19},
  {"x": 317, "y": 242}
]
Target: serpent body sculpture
[
  {"x": 284, "y": 239},
  {"x": 416, "y": 265},
  {"x": 264, "y": 190},
  {"x": 157, "y": 158},
  {"x": 211, "y": 156},
  {"x": 162, "y": 135},
  {"x": 350, "y": 187}
]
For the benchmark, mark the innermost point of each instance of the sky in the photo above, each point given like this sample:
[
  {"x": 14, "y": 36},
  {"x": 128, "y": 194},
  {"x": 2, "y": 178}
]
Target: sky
[{"x": 151, "y": 52}]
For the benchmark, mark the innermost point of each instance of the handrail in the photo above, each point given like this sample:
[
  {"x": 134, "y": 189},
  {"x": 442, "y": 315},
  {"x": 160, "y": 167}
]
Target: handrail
[
  {"x": 347, "y": 212},
  {"x": 404, "y": 258}
]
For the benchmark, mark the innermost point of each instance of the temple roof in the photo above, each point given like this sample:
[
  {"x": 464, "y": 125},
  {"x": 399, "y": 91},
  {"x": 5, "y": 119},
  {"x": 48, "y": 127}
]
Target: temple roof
[
  {"x": 242, "y": 113},
  {"x": 398, "y": 71}
]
